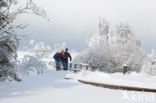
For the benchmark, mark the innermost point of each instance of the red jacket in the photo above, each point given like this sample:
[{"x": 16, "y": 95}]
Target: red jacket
[{"x": 61, "y": 55}]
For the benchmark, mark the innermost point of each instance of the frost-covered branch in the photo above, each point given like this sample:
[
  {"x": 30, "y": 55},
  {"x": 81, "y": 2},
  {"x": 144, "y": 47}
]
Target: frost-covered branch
[{"x": 9, "y": 40}]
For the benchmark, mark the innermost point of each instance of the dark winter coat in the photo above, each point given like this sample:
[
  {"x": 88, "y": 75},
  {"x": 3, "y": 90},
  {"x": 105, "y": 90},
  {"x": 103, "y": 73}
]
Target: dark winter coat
[
  {"x": 67, "y": 55},
  {"x": 57, "y": 57}
]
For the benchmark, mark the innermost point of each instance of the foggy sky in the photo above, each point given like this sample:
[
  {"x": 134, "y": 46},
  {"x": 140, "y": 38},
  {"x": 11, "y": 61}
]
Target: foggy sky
[{"x": 71, "y": 21}]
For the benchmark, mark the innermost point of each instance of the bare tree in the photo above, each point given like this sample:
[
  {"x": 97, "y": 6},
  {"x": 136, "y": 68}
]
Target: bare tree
[{"x": 9, "y": 40}]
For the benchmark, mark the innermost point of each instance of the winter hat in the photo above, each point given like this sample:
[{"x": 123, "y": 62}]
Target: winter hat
[{"x": 66, "y": 49}]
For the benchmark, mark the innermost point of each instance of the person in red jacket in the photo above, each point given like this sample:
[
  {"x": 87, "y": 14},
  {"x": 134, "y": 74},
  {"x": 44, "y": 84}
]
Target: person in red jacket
[{"x": 62, "y": 58}]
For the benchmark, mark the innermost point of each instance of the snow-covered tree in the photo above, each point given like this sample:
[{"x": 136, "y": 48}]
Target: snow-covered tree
[
  {"x": 132, "y": 56},
  {"x": 32, "y": 42},
  {"x": 123, "y": 35},
  {"x": 103, "y": 27},
  {"x": 149, "y": 65},
  {"x": 110, "y": 51},
  {"x": 112, "y": 59},
  {"x": 59, "y": 47},
  {"x": 153, "y": 54},
  {"x": 125, "y": 48},
  {"x": 41, "y": 50},
  {"x": 101, "y": 35},
  {"x": 9, "y": 11},
  {"x": 8, "y": 48}
]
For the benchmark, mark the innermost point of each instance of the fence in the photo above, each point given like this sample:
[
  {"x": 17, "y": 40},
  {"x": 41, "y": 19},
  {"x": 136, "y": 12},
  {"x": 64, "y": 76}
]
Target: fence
[
  {"x": 74, "y": 66},
  {"x": 81, "y": 66},
  {"x": 78, "y": 66}
]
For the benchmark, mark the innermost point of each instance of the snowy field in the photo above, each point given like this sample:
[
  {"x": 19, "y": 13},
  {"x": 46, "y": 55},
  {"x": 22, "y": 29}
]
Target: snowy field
[
  {"x": 133, "y": 79},
  {"x": 51, "y": 87}
]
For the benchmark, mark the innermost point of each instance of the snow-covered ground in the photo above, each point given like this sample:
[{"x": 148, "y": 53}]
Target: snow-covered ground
[
  {"x": 133, "y": 79},
  {"x": 51, "y": 87}
]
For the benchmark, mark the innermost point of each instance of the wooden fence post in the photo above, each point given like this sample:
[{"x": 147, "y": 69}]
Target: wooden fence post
[
  {"x": 75, "y": 66},
  {"x": 86, "y": 67},
  {"x": 80, "y": 66},
  {"x": 70, "y": 65},
  {"x": 125, "y": 69}
]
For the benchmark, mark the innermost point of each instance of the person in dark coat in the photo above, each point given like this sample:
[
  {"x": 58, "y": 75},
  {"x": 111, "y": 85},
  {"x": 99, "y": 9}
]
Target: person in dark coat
[
  {"x": 67, "y": 55},
  {"x": 57, "y": 61}
]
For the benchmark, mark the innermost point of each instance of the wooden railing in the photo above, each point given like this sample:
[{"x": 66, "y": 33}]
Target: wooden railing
[
  {"x": 81, "y": 66},
  {"x": 77, "y": 66}
]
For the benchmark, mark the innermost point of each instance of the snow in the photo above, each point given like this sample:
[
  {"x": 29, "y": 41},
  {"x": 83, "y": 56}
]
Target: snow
[
  {"x": 51, "y": 87},
  {"x": 133, "y": 79}
]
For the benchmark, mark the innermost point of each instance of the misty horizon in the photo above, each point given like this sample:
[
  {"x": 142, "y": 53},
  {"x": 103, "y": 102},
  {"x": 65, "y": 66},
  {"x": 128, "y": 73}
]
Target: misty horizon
[{"x": 72, "y": 21}]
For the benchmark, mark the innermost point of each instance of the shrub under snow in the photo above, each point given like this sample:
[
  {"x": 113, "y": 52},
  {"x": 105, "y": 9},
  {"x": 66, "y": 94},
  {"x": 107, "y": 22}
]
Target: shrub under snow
[
  {"x": 112, "y": 59},
  {"x": 31, "y": 64},
  {"x": 97, "y": 57},
  {"x": 40, "y": 50},
  {"x": 128, "y": 55}
]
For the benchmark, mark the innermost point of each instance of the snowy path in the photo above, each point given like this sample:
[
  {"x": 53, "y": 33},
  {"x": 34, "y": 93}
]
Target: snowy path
[
  {"x": 53, "y": 88},
  {"x": 134, "y": 81}
]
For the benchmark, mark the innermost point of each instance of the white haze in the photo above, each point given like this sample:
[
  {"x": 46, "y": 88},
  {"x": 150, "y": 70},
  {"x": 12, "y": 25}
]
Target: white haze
[{"x": 73, "y": 20}]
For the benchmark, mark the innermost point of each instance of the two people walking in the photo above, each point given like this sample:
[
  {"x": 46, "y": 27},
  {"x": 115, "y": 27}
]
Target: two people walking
[{"x": 62, "y": 57}]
